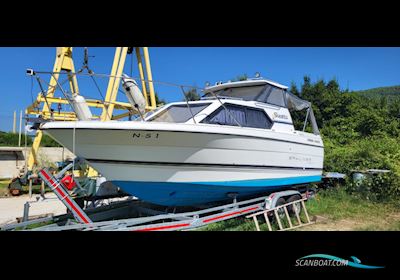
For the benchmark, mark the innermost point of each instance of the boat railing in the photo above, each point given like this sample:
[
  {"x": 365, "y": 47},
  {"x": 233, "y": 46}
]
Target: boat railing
[
  {"x": 185, "y": 93},
  {"x": 309, "y": 114},
  {"x": 222, "y": 97}
]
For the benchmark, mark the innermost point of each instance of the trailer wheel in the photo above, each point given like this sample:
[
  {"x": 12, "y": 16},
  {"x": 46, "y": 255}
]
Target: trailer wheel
[
  {"x": 296, "y": 207},
  {"x": 281, "y": 211},
  {"x": 15, "y": 187},
  {"x": 80, "y": 201}
]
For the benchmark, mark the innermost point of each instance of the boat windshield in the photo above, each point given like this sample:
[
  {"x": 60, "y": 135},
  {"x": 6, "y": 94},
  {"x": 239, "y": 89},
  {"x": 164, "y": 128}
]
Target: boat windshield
[
  {"x": 245, "y": 93},
  {"x": 179, "y": 113},
  {"x": 262, "y": 93}
]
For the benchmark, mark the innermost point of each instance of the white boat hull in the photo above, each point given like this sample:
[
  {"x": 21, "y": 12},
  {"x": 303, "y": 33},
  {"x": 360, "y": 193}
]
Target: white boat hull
[{"x": 183, "y": 164}]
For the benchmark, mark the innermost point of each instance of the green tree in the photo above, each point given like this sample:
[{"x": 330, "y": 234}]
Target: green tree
[
  {"x": 47, "y": 141},
  {"x": 240, "y": 78},
  {"x": 293, "y": 88},
  {"x": 333, "y": 86},
  {"x": 159, "y": 101},
  {"x": 383, "y": 102},
  {"x": 192, "y": 95},
  {"x": 306, "y": 87},
  {"x": 360, "y": 131},
  {"x": 12, "y": 139},
  {"x": 369, "y": 122}
]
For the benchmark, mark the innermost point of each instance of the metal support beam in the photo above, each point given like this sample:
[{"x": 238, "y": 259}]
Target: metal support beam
[
  {"x": 113, "y": 84},
  {"x": 120, "y": 116},
  {"x": 63, "y": 62},
  {"x": 141, "y": 75},
  {"x": 149, "y": 77}
]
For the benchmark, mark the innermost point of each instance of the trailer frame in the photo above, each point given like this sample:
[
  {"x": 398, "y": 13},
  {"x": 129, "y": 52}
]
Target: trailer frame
[{"x": 147, "y": 218}]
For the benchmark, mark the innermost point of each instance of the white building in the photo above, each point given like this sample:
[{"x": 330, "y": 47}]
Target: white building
[{"x": 12, "y": 159}]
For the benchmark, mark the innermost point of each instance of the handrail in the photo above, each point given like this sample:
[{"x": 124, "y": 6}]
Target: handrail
[{"x": 145, "y": 80}]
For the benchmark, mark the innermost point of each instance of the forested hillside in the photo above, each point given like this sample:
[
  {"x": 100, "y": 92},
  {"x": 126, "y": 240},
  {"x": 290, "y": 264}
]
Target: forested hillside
[
  {"x": 378, "y": 92},
  {"x": 360, "y": 131},
  {"x": 12, "y": 139}
]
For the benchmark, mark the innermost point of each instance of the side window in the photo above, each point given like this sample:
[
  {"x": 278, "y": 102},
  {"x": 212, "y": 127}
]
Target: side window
[
  {"x": 246, "y": 117},
  {"x": 221, "y": 116},
  {"x": 257, "y": 118}
]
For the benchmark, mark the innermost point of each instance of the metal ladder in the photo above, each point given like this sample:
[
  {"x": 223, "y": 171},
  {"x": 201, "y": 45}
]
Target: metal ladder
[{"x": 278, "y": 216}]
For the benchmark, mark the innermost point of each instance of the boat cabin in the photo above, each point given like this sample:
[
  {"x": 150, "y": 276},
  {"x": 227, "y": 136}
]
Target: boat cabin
[{"x": 260, "y": 104}]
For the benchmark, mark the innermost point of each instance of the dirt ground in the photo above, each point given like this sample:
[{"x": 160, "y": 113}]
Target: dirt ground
[
  {"x": 391, "y": 222},
  {"x": 12, "y": 208}
]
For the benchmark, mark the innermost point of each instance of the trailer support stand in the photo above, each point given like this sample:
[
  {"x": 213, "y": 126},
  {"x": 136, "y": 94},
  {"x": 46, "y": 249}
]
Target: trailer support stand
[
  {"x": 64, "y": 197},
  {"x": 26, "y": 212}
]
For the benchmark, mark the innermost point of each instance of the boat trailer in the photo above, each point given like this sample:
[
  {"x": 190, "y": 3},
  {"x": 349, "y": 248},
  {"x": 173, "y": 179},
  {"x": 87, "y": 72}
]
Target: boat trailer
[{"x": 145, "y": 217}]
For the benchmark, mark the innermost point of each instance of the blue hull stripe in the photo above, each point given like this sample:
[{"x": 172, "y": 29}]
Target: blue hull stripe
[
  {"x": 264, "y": 182},
  {"x": 192, "y": 193}
]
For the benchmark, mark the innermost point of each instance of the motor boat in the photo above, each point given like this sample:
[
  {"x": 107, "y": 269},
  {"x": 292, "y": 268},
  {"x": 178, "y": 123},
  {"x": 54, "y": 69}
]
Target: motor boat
[{"x": 238, "y": 140}]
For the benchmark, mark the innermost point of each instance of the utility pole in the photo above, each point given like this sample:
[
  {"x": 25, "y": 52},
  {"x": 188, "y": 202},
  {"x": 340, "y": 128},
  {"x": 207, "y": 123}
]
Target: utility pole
[
  {"x": 15, "y": 122},
  {"x": 20, "y": 128}
]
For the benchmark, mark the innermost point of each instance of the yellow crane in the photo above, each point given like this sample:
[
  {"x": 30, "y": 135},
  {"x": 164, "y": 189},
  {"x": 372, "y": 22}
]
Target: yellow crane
[{"x": 64, "y": 64}]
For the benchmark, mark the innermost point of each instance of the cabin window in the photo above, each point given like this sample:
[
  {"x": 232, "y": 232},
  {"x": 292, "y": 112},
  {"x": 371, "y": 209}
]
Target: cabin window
[
  {"x": 234, "y": 114},
  {"x": 179, "y": 113}
]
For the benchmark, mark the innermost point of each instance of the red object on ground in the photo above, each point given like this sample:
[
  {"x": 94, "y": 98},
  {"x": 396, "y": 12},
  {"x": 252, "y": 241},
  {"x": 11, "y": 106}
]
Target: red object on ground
[{"x": 68, "y": 182}]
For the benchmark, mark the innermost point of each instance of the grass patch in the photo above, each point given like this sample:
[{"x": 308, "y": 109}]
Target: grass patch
[
  {"x": 4, "y": 183},
  {"x": 337, "y": 206},
  {"x": 33, "y": 226},
  {"x": 35, "y": 189},
  {"x": 4, "y": 187},
  {"x": 25, "y": 189},
  {"x": 39, "y": 225},
  {"x": 238, "y": 224},
  {"x": 373, "y": 227}
]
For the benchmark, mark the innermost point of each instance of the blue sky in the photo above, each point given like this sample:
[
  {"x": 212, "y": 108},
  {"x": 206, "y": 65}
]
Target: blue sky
[{"x": 357, "y": 68}]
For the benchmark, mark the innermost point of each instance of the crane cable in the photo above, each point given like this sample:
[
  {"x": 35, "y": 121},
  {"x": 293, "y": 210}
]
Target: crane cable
[
  {"x": 91, "y": 74},
  {"x": 136, "y": 78}
]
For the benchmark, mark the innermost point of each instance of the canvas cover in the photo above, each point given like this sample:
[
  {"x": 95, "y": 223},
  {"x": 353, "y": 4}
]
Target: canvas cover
[{"x": 270, "y": 94}]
